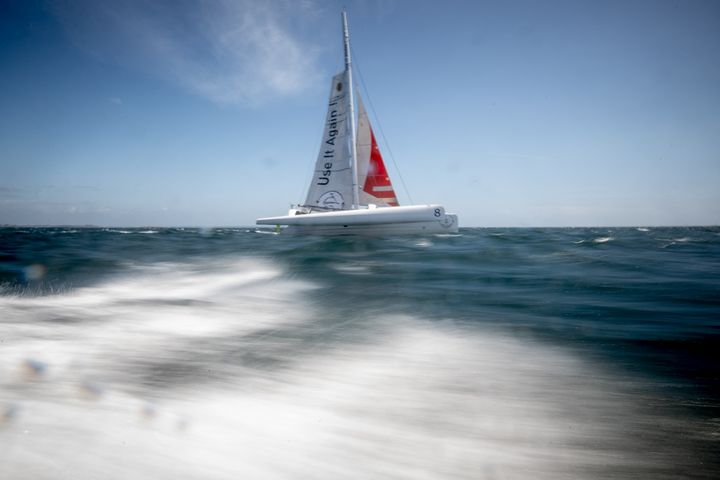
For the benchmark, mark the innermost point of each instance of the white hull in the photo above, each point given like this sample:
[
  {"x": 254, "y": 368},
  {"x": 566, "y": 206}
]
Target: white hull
[{"x": 404, "y": 220}]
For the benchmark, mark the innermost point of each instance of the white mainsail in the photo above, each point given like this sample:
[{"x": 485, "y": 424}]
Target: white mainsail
[{"x": 332, "y": 183}]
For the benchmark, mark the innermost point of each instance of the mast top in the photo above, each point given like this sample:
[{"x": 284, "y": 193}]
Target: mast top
[{"x": 346, "y": 39}]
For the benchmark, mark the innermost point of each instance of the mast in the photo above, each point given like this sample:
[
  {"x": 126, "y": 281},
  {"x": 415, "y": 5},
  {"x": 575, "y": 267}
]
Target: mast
[{"x": 353, "y": 146}]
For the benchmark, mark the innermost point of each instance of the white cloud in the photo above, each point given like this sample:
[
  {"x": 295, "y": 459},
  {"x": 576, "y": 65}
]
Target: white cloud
[{"x": 228, "y": 51}]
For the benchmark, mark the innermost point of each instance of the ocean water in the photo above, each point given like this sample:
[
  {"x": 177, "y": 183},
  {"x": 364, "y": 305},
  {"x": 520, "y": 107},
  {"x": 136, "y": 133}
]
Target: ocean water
[{"x": 235, "y": 353}]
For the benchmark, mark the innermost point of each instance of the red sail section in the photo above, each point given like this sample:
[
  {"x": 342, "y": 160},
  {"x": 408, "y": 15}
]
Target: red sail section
[{"x": 377, "y": 182}]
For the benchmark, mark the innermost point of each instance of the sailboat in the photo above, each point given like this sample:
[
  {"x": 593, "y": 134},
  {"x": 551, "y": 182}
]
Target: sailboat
[{"x": 351, "y": 191}]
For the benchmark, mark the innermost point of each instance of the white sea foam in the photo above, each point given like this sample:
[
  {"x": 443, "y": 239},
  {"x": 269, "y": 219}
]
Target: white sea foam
[
  {"x": 354, "y": 268},
  {"x": 146, "y": 309},
  {"x": 270, "y": 392},
  {"x": 603, "y": 239}
]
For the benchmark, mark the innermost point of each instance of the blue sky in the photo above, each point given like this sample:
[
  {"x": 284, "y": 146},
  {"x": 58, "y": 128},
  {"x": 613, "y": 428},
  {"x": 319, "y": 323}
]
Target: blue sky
[{"x": 510, "y": 113}]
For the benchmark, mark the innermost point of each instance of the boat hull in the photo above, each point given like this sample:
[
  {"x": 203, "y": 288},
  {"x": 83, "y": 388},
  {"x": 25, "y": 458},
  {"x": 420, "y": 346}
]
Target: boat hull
[{"x": 412, "y": 219}]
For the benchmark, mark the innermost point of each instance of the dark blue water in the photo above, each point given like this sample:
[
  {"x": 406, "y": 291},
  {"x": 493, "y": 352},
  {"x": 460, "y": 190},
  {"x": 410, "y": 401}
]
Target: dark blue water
[{"x": 495, "y": 353}]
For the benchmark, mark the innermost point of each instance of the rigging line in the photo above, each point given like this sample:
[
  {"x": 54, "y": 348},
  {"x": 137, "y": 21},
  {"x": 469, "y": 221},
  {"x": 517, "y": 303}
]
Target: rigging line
[
  {"x": 305, "y": 189},
  {"x": 377, "y": 118}
]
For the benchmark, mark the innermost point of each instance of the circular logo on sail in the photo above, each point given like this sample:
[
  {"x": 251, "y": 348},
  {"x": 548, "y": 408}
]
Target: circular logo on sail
[
  {"x": 332, "y": 200},
  {"x": 338, "y": 87}
]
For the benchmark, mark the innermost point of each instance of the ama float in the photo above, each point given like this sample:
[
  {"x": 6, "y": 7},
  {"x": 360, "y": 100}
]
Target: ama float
[{"x": 351, "y": 191}]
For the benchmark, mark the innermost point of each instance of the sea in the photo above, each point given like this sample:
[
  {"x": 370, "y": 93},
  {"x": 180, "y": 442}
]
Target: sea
[{"x": 228, "y": 353}]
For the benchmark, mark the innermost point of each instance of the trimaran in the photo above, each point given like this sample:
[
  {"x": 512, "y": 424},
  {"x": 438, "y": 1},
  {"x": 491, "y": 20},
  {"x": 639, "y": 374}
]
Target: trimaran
[{"x": 351, "y": 192}]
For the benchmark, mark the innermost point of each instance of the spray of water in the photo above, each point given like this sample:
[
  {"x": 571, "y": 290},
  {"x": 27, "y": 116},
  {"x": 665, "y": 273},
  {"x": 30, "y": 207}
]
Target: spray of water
[{"x": 225, "y": 371}]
